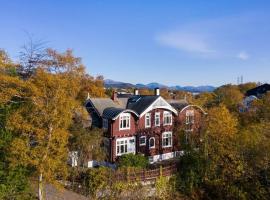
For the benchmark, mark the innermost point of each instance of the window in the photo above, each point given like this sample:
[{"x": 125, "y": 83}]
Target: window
[
  {"x": 125, "y": 145},
  {"x": 167, "y": 139},
  {"x": 124, "y": 121},
  {"x": 189, "y": 120},
  {"x": 105, "y": 123},
  {"x": 147, "y": 120},
  {"x": 142, "y": 141},
  {"x": 167, "y": 118},
  {"x": 121, "y": 147},
  {"x": 152, "y": 142},
  {"x": 157, "y": 119}
]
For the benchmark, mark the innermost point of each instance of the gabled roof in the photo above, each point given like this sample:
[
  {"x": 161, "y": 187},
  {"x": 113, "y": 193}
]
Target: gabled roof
[
  {"x": 199, "y": 107},
  {"x": 113, "y": 113},
  {"x": 142, "y": 104},
  {"x": 178, "y": 104},
  {"x": 100, "y": 104}
]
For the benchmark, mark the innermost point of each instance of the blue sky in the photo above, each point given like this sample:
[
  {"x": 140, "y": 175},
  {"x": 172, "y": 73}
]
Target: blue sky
[{"x": 172, "y": 42}]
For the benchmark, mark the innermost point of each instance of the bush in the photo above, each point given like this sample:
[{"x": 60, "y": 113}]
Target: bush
[{"x": 132, "y": 160}]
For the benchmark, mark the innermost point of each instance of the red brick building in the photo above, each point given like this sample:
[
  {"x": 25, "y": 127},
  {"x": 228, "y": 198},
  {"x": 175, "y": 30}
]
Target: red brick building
[{"x": 143, "y": 124}]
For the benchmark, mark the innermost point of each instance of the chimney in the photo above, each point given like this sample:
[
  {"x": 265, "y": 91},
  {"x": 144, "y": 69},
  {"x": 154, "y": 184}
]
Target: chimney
[
  {"x": 157, "y": 92},
  {"x": 88, "y": 96},
  {"x": 114, "y": 96},
  {"x": 136, "y": 91}
]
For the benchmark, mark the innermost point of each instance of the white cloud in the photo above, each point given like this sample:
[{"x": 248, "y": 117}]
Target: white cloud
[
  {"x": 185, "y": 41},
  {"x": 243, "y": 55}
]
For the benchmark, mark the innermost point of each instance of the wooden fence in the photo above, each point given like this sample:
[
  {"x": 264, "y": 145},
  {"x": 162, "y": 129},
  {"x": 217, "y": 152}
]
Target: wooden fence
[{"x": 144, "y": 175}]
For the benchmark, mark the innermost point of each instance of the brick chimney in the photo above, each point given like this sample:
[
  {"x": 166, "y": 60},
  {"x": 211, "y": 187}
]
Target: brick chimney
[
  {"x": 157, "y": 93},
  {"x": 114, "y": 96}
]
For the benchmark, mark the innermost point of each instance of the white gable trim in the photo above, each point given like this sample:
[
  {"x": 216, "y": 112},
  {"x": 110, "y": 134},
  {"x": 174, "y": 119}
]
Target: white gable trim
[
  {"x": 194, "y": 106},
  {"x": 125, "y": 111},
  {"x": 166, "y": 106}
]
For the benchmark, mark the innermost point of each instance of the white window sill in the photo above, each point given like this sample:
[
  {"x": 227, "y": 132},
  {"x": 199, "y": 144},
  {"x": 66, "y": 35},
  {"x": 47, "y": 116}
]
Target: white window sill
[
  {"x": 124, "y": 129},
  {"x": 166, "y": 146}
]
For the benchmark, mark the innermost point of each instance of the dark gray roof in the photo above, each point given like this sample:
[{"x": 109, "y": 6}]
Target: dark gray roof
[
  {"x": 178, "y": 104},
  {"x": 112, "y": 112},
  {"x": 140, "y": 103},
  {"x": 102, "y": 103},
  {"x": 258, "y": 91}
]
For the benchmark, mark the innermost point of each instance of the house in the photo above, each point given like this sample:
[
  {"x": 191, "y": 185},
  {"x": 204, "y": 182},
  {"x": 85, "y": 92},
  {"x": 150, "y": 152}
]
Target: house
[
  {"x": 252, "y": 95},
  {"x": 143, "y": 124},
  {"x": 258, "y": 91}
]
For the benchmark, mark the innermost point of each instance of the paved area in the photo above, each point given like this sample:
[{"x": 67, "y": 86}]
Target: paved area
[{"x": 53, "y": 194}]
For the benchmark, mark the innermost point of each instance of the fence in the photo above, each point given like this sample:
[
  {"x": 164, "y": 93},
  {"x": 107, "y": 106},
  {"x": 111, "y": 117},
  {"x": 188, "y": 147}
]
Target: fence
[{"x": 144, "y": 175}]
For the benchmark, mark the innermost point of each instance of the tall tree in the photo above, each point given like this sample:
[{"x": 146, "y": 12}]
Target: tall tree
[{"x": 47, "y": 101}]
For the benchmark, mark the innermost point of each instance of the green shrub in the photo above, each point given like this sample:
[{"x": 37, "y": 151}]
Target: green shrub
[{"x": 132, "y": 160}]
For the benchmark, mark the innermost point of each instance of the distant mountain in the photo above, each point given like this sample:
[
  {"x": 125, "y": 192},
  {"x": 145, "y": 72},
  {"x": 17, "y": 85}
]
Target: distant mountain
[
  {"x": 117, "y": 84},
  {"x": 155, "y": 85}
]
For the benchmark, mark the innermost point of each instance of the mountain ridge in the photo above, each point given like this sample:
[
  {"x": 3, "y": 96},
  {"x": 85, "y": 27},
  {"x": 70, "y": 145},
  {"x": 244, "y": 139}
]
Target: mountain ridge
[{"x": 118, "y": 84}]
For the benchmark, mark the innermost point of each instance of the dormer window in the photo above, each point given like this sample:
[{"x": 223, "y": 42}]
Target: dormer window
[
  {"x": 167, "y": 118},
  {"x": 157, "y": 119},
  {"x": 147, "y": 120},
  {"x": 124, "y": 121}
]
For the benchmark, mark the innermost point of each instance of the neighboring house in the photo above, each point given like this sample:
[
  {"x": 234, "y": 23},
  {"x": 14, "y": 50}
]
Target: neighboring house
[
  {"x": 259, "y": 91},
  {"x": 252, "y": 95},
  {"x": 143, "y": 124}
]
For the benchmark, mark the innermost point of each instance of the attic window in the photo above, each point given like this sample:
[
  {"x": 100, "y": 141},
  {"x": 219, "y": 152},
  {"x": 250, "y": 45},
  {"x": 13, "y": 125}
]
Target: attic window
[{"x": 124, "y": 121}]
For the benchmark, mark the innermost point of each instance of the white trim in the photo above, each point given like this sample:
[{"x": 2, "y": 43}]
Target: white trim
[
  {"x": 167, "y": 106},
  {"x": 149, "y": 115},
  {"x": 125, "y": 111},
  {"x": 152, "y": 138},
  {"x": 193, "y": 106},
  {"x": 144, "y": 141}
]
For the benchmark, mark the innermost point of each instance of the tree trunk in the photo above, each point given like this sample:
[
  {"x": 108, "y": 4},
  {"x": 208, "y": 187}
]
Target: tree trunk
[{"x": 40, "y": 187}]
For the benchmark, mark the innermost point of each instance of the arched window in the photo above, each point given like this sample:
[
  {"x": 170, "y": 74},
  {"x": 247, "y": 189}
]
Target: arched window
[{"x": 152, "y": 142}]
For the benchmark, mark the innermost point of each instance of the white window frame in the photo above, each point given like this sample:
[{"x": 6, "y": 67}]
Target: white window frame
[
  {"x": 124, "y": 116},
  {"x": 152, "y": 138},
  {"x": 167, "y": 114},
  {"x": 165, "y": 136},
  {"x": 142, "y": 144},
  {"x": 125, "y": 142},
  {"x": 157, "y": 114},
  {"x": 147, "y": 117},
  {"x": 105, "y": 123}
]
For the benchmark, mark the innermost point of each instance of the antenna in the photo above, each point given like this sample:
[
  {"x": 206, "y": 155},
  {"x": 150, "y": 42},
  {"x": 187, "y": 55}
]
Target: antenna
[{"x": 241, "y": 79}]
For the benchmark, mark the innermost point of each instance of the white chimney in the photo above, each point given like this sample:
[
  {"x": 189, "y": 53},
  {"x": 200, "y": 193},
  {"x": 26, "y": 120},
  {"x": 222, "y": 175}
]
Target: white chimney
[
  {"x": 157, "y": 92},
  {"x": 136, "y": 91}
]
